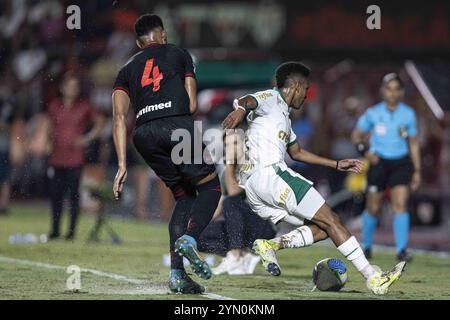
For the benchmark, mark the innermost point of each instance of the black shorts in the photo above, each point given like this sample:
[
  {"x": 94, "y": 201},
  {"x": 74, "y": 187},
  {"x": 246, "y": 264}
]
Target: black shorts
[
  {"x": 389, "y": 173},
  {"x": 4, "y": 166},
  {"x": 153, "y": 140}
]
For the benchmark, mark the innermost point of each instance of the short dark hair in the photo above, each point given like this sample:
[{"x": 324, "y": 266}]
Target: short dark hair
[
  {"x": 289, "y": 69},
  {"x": 146, "y": 23},
  {"x": 392, "y": 76}
]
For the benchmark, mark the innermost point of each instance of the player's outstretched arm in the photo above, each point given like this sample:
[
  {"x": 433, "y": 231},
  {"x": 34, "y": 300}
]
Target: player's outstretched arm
[
  {"x": 121, "y": 105},
  {"x": 296, "y": 153},
  {"x": 240, "y": 106}
]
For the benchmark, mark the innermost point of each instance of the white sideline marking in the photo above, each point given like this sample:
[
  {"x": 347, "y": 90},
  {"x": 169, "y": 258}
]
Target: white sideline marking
[{"x": 114, "y": 276}]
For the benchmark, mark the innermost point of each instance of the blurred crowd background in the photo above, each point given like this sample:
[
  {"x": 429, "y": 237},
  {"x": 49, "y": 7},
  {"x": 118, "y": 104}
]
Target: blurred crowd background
[{"x": 236, "y": 47}]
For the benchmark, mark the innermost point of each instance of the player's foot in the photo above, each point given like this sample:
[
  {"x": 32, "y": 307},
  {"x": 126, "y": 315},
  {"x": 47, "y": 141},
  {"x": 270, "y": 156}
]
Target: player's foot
[
  {"x": 368, "y": 253},
  {"x": 230, "y": 261},
  {"x": 70, "y": 236},
  {"x": 238, "y": 269},
  {"x": 186, "y": 246},
  {"x": 266, "y": 250},
  {"x": 53, "y": 236},
  {"x": 404, "y": 255},
  {"x": 381, "y": 281},
  {"x": 180, "y": 282},
  {"x": 250, "y": 261}
]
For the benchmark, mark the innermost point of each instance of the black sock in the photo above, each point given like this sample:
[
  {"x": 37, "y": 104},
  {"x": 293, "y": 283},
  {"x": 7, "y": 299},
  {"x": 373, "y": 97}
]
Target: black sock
[
  {"x": 179, "y": 221},
  {"x": 204, "y": 206}
]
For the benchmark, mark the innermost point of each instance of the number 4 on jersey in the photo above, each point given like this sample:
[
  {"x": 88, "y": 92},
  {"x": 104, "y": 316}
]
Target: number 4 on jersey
[{"x": 149, "y": 77}]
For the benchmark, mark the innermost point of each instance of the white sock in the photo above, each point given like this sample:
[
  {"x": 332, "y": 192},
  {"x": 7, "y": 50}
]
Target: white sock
[
  {"x": 298, "y": 238},
  {"x": 353, "y": 252}
]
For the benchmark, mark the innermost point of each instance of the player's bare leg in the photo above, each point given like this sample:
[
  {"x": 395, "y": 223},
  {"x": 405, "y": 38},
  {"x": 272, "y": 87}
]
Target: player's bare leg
[
  {"x": 301, "y": 237},
  {"x": 347, "y": 244}
]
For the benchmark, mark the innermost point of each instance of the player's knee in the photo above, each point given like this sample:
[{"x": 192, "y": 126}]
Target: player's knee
[
  {"x": 398, "y": 207},
  {"x": 331, "y": 222},
  {"x": 212, "y": 186},
  {"x": 373, "y": 211},
  {"x": 335, "y": 219},
  {"x": 373, "y": 208}
]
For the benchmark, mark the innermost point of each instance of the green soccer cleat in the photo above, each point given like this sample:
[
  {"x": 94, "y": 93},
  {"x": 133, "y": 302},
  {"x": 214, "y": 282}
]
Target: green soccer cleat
[
  {"x": 266, "y": 250},
  {"x": 379, "y": 283},
  {"x": 180, "y": 282},
  {"x": 186, "y": 246}
]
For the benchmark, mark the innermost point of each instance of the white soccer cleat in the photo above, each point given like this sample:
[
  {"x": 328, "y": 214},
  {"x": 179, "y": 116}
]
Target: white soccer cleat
[
  {"x": 227, "y": 263},
  {"x": 250, "y": 261}
]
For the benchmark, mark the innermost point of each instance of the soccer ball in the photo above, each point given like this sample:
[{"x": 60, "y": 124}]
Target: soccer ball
[{"x": 330, "y": 274}]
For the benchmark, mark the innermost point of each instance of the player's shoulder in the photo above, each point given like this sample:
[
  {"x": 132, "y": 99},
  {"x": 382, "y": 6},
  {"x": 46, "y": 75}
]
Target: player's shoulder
[
  {"x": 171, "y": 46},
  {"x": 375, "y": 109},
  {"x": 407, "y": 109},
  {"x": 130, "y": 62},
  {"x": 265, "y": 94},
  {"x": 174, "y": 48}
]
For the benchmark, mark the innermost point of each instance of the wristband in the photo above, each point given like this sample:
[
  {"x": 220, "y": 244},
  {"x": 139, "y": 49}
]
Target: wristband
[
  {"x": 237, "y": 106},
  {"x": 362, "y": 148},
  {"x": 337, "y": 164}
]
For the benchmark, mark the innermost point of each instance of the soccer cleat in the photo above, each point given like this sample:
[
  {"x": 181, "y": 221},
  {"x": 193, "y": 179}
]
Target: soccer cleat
[
  {"x": 70, "y": 236},
  {"x": 229, "y": 262},
  {"x": 266, "y": 250},
  {"x": 368, "y": 253},
  {"x": 53, "y": 236},
  {"x": 250, "y": 262},
  {"x": 180, "y": 282},
  {"x": 186, "y": 246},
  {"x": 404, "y": 256},
  {"x": 380, "y": 282}
]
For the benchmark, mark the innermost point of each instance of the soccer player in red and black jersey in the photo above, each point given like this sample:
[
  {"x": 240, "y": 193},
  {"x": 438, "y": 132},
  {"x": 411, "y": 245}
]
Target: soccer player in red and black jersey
[{"x": 159, "y": 83}]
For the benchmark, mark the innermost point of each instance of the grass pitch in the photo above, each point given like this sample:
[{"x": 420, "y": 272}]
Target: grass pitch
[{"x": 134, "y": 270}]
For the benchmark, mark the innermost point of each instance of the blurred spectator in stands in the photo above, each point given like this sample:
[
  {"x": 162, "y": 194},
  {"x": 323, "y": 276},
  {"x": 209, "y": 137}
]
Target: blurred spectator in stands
[
  {"x": 13, "y": 14},
  {"x": 342, "y": 146},
  {"x": 69, "y": 118}
]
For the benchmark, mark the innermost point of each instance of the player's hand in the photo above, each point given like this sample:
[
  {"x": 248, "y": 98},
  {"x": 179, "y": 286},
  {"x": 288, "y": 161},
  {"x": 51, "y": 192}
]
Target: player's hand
[
  {"x": 233, "y": 119},
  {"x": 372, "y": 157},
  {"x": 350, "y": 165},
  {"x": 119, "y": 180},
  {"x": 416, "y": 180}
]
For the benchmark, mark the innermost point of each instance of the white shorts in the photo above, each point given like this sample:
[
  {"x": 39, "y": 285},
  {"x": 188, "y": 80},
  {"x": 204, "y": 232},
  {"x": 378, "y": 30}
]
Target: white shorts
[{"x": 278, "y": 193}]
